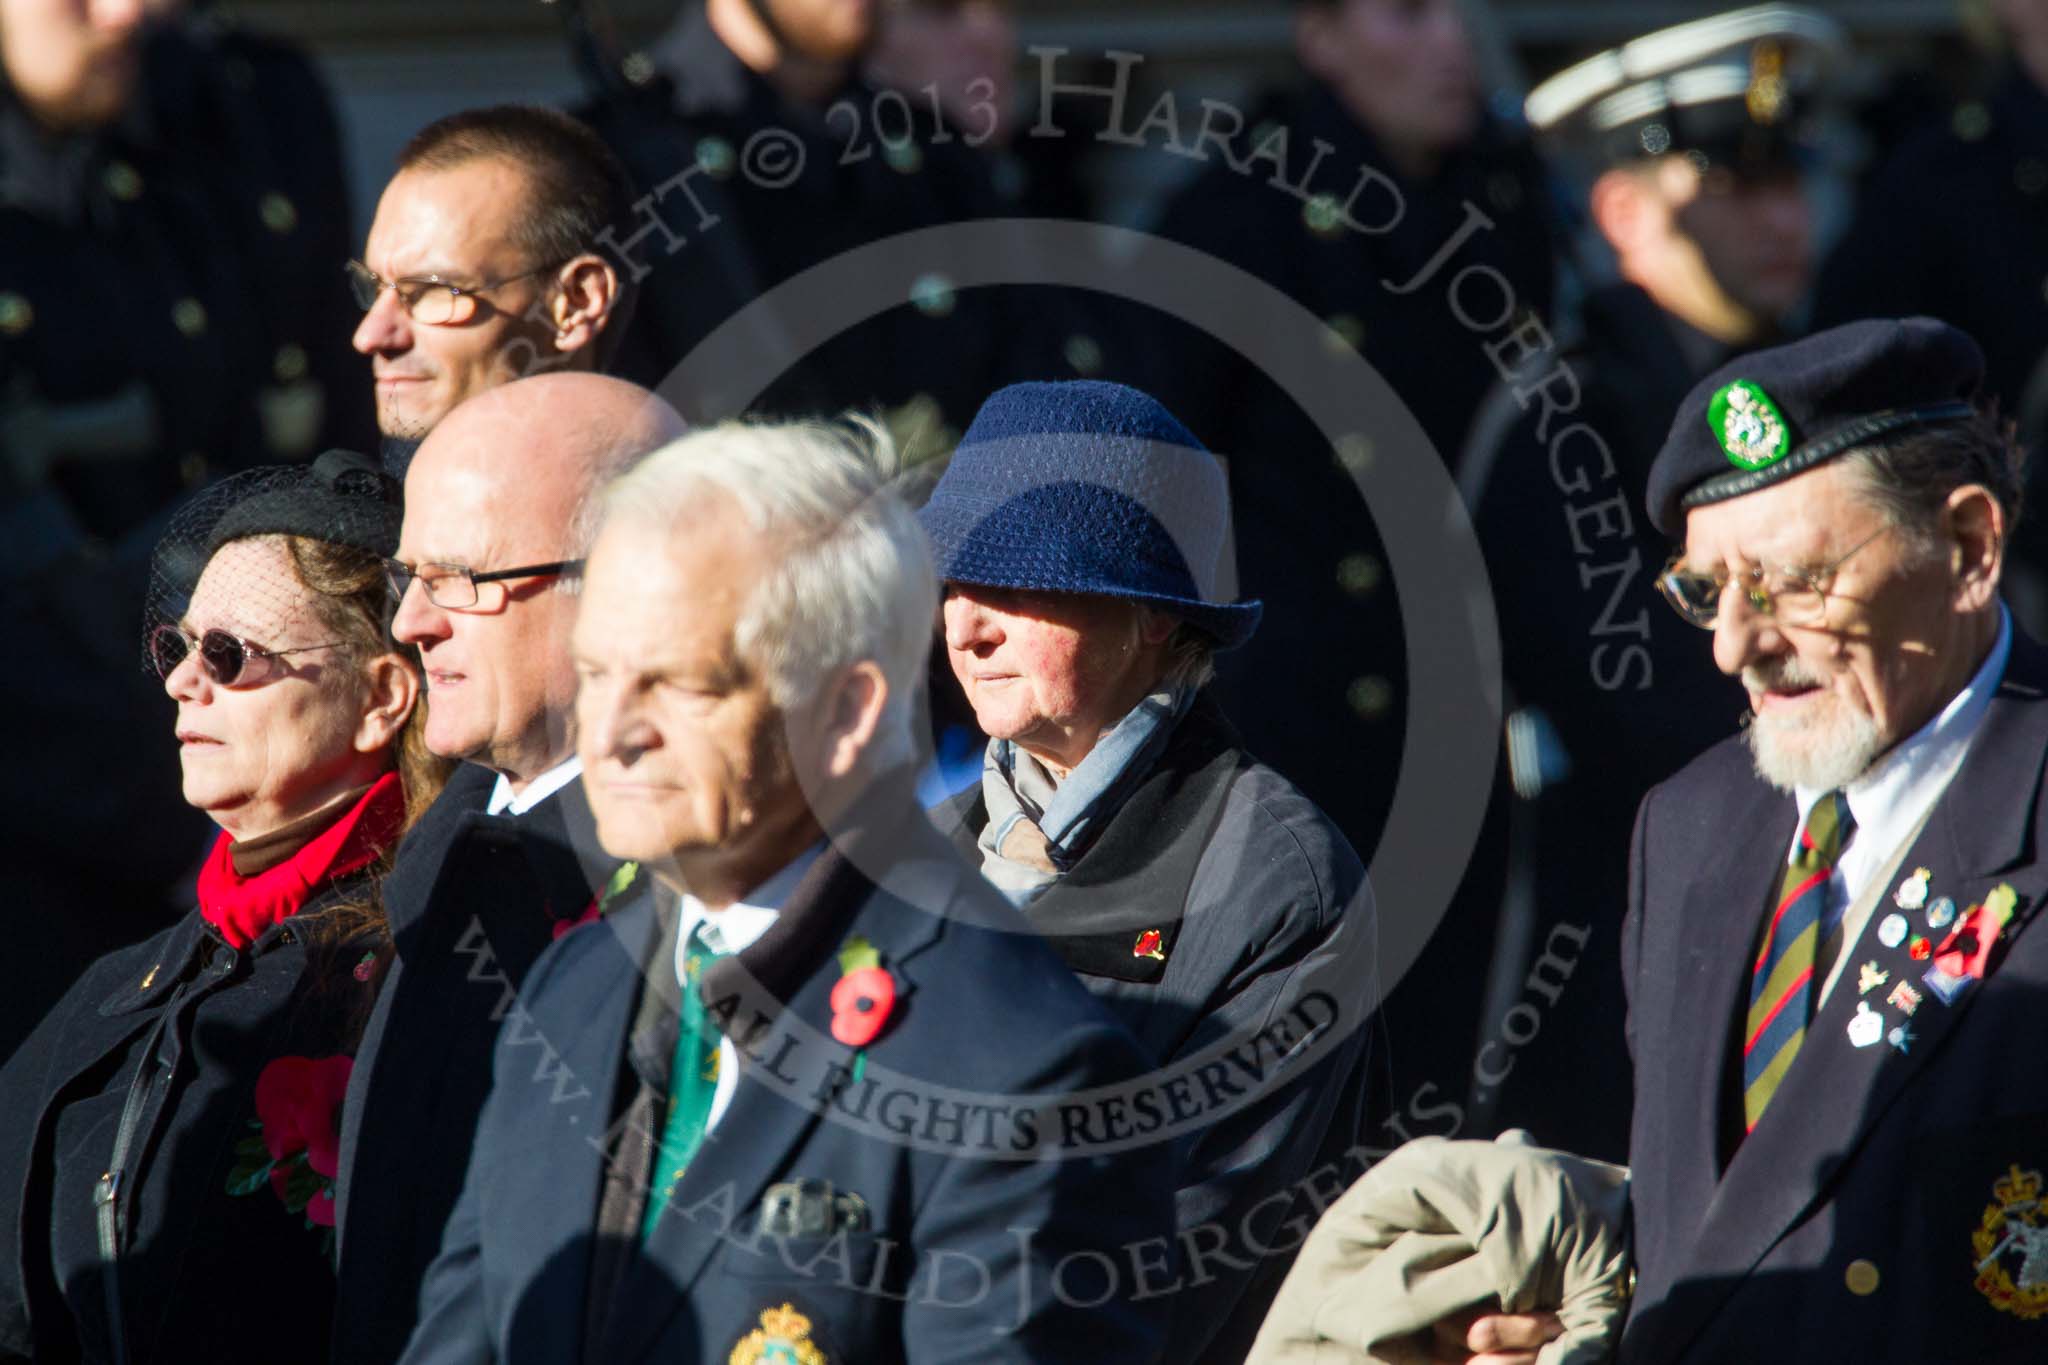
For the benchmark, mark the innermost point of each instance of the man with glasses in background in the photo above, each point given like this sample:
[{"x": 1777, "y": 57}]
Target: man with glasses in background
[
  {"x": 484, "y": 264},
  {"x": 1841, "y": 1125},
  {"x": 507, "y": 859}
]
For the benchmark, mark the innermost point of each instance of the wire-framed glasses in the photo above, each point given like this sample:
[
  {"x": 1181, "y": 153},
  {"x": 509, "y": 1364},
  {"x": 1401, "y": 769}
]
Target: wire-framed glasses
[
  {"x": 1794, "y": 596},
  {"x": 427, "y": 299}
]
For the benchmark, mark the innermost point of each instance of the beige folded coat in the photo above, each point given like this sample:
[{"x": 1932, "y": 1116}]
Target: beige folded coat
[{"x": 1439, "y": 1227}]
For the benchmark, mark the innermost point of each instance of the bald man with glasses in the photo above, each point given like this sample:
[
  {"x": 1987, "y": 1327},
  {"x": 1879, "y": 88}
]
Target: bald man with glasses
[{"x": 485, "y": 578}]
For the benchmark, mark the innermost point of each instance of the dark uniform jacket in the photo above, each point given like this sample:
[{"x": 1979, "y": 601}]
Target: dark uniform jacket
[
  {"x": 473, "y": 900},
  {"x": 877, "y": 1199},
  {"x": 1629, "y": 686},
  {"x": 1954, "y": 225},
  {"x": 171, "y": 303},
  {"x": 1255, "y": 907},
  {"x": 786, "y": 187},
  {"x": 171, "y": 308},
  {"x": 166, "y": 1040},
  {"x": 1321, "y": 690},
  {"x": 1886, "y": 1208}
]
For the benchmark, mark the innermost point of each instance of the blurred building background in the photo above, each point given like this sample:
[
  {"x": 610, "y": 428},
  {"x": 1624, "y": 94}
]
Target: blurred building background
[{"x": 396, "y": 64}]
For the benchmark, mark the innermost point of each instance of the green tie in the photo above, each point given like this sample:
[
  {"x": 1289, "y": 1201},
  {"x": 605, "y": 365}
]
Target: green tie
[{"x": 692, "y": 1081}]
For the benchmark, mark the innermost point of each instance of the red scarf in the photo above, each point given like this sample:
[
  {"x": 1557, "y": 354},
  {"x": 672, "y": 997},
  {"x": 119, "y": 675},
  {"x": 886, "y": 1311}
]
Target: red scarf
[{"x": 243, "y": 907}]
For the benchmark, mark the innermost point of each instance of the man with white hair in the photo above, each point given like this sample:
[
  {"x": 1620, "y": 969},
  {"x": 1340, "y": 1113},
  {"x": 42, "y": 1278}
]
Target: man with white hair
[{"x": 802, "y": 1090}]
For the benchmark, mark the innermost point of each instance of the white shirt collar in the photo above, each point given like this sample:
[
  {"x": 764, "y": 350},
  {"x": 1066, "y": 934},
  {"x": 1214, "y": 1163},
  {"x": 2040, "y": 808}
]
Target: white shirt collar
[
  {"x": 731, "y": 930},
  {"x": 504, "y": 802},
  {"x": 1892, "y": 796},
  {"x": 736, "y": 928}
]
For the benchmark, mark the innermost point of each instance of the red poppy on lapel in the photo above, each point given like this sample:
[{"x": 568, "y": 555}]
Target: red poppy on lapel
[
  {"x": 1966, "y": 952},
  {"x": 864, "y": 997},
  {"x": 601, "y": 903}
]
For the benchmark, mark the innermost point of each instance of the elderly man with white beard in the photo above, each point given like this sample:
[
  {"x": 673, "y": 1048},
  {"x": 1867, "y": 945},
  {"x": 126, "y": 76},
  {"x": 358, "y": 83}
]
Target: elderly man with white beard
[{"x": 1840, "y": 1123}]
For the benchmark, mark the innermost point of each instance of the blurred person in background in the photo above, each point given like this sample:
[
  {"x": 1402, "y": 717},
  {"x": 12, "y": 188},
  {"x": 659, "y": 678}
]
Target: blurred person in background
[
  {"x": 1390, "y": 118},
  {"x": 171, "y": 1125},
  {"x": 171, "y": 205},
  {"x": 1696, "y": 145},
  {"x": 1695, "y": 140},
  {"x": 968, "y": 52},
  {"x": 759, "y": 140},
  {"x": 485, "y": 263},
  {"x": 1393, "y": 86},
  {"x": 1954, "y": 225}
]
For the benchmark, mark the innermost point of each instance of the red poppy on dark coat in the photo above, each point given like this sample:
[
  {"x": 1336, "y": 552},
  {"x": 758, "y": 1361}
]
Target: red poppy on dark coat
[
  {"x": 590, "y": 912},
  {"x": 860, "y": 1005}
]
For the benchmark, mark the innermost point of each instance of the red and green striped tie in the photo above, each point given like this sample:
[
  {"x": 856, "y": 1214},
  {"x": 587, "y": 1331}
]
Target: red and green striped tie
[{"x": 1782, "y": 988}]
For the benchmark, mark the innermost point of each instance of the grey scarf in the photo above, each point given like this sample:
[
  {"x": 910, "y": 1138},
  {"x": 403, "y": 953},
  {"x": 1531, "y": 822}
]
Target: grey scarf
[{"x": 1038, "y": 826}]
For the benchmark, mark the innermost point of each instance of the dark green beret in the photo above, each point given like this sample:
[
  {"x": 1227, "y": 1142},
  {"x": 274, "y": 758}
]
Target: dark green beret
[{"x": 1764, "y": 417}]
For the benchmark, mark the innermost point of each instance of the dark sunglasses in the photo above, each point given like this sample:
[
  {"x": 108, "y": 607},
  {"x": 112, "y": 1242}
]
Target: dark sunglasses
[{"x": 225, "y": 657}]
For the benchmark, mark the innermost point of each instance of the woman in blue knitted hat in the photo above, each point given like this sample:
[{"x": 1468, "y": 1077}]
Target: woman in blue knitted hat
[{"x": 1083, "y": 538}]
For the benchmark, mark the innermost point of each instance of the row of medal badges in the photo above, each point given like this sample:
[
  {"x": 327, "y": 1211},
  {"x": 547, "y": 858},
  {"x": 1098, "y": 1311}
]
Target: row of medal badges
[{"x": 1952, "y": 966}]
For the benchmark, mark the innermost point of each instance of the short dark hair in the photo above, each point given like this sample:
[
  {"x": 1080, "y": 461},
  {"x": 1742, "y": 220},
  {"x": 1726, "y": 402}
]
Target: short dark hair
[
  {"x": 1908, "y": 476},
  {"x": 577, "y": 187}
]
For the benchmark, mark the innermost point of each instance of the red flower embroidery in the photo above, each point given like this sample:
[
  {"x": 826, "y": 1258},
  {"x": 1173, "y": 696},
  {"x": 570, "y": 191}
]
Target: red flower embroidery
[
  {"x": 283, "y": 1183},
  {"x": 297, "y": 1146},
  {"x": 298, "y": 1102}
]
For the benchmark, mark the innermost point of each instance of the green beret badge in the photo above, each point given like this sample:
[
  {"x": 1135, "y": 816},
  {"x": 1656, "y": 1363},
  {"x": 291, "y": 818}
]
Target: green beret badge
[{"x": 1751, "y": 430}]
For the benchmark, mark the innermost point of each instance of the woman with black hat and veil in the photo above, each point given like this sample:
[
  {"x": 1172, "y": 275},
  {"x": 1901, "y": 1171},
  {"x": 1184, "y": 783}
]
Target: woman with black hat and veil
[{"x": 166, "y": 1163}]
